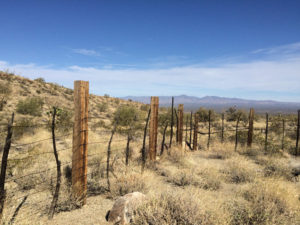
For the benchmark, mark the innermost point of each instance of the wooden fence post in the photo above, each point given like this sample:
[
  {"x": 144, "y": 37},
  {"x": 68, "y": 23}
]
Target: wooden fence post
[
  {"x": 153, "y": 128},
  {"x": 180, "y": 124},
  {"x": 222, "y": 131},
  {"x": 236, "y": 132},
  {"x": 191, "y": 127},
  {"x": 4, "y": 165},
  {"x": 195, "y": 141},
  {"x": 298, "y": 130},
  {"x": 266, "y": 131},
  {"x": 80, "y": 140},
  {"x": 209, "y": 126},
  {"x": 172, "y": 122},
  {"x": 283, "y": 134},
  {"x": 250, "y": 129}
]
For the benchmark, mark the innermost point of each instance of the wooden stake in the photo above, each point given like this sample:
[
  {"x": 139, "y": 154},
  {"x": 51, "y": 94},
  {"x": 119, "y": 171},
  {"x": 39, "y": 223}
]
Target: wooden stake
[
  {"x": 222, "y": 131},
  {"x": 250, "y": 129},
  {"x": 236, "y": 132},
  {"x": 172, "y": 122},
  {"x": 4, "y": 165},
  {"x": 180, "y": 124},
  {"x": 209, "y": 125},
  {"x": 80, "y": 141},
  {"x": 283, "y": 134},
  {"x": 298, "y": 131},
  {"x": 266, "y": 131},
  {"x": 191, "y": 127},
  {"x": 195, "y": 141},
  {"x": 153, "y": 128}
]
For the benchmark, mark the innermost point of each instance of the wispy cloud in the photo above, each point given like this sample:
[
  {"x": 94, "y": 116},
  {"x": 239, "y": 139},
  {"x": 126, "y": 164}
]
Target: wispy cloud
[
  {"x": 282, "y": 49},
  {"x": 87, "y": 52},
  {"x": 275, "y": 78}
]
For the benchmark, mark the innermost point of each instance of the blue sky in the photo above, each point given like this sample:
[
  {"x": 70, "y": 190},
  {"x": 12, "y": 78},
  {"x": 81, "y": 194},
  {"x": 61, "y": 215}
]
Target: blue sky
[{"x": 247, "y": 49}]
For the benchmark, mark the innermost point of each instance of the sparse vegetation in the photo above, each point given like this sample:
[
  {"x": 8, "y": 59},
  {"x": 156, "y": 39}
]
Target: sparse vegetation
[{"x": 30, "y": 106}]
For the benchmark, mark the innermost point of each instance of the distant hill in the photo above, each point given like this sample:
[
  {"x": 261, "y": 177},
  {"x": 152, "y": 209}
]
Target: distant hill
[{"x": 221, "y": 103}]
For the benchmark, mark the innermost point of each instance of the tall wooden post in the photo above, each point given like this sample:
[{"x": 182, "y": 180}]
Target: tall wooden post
[
  {"x": 80, "y": 140},
  {"x": 172, "y": 122},
  {"x": 195, "y": 141},
  {"x": 250, "y": 129},
  {"x": 266, "y": 132},
  {"x": 209, "y": 126},
  {"x": 180, "y": 124},
  {"x": 236, "y": 132},
  {"x": 191, "y": 127},
  {"x": 298, "y": 131},
  {"x": 283, "y": 134},
  {"x": 153, "y": 128},
  {"x": 222, "y": 131}
]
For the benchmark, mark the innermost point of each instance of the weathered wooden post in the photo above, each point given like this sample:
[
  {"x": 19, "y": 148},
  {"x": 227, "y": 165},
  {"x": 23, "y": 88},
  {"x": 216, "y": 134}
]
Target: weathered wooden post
[
  {"x": 153, "y": 128},
  {"x": 172, "y": 123},
  {"x": 250, "y": 129},
  {"x": 191, "y": 127},
  {"x": 180, "y": 124},
  {"x": 80, "y": 140},
  {"x": 236, "y": 132},
  {"x": 298, "y": 130},
  {"x": 209, "y": 126},
  {"x": 195, "y": 141},
  {"x": 266, "y": 131},
  {"x": 283, "y": 134},
  {"x": 222, "y": 131}
]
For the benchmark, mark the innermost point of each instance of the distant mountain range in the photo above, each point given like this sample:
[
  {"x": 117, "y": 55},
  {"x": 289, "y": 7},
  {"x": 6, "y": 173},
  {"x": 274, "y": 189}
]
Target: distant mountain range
[{"x": 221, "y": 103}]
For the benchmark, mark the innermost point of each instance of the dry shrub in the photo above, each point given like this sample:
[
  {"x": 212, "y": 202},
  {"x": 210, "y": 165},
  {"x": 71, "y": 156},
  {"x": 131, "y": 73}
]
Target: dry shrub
[
  {"x": 271, "y": 202},
  {"x": 174, "y": 208},
  {"x": 204, "y": 179},
  {"x": 276, "y": 167},
  {"x": 239, "y": 170},
  {"x": 128, "y": 183}
]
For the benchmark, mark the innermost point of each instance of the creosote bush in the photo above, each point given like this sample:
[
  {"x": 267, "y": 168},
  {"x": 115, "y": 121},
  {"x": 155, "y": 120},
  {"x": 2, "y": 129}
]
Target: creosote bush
[{"x": 30, "y": 106}]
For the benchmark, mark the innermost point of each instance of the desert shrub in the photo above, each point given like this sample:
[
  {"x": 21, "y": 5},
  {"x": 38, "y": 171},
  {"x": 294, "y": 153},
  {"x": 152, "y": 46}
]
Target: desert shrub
[
  {"x": 63, "y": 121},
  {"x": 23, "y": 126},
  {"x": 30, "y": 106},
  {"x": 106, "y": 95},
  {"x": 239, "y": 170},
  {"x": 145, "y": 107},
  {"x": 5, "y": 91},
  {"x": 102, "y": 107},
  {"x": 203, "y": 115},
  {"x": 117, "y": 101},
  {"x": 174, "y": 208},
  {"x": 232, "y": 114},
  {"x": 271, "y": 203},
  {"x": 129, "y": 183},
  {"x": 99, "y": 124},
  {"x": 182, "y": 178},
  {"x": 40, "y": 80}
]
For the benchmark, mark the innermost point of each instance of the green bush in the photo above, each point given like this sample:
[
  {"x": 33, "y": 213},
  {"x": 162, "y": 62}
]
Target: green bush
[
  {"x": 102, "y": 107},
  {"x": 64, "y": 122},
  {"x": 30, "y": 106},
  {"x": 23, "y": 126},
  {"x": 40, "y": 80}
]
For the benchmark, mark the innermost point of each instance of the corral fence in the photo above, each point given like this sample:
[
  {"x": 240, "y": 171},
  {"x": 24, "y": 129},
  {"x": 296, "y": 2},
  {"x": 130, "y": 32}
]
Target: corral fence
[{"x": 188, "y": 130}]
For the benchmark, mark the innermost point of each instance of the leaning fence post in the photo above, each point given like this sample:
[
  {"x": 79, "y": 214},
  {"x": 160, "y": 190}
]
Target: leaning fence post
[
  {"x": 195, "y": 141},
  {"x": 58, "y": 169},
  {"x": 153, "y": 128},
  {"x": 283, "y": 134},
  {"x": 298, "y": 130},
  {"x": 266, "y": 131},
  {"x": 250, "y": 129},
  {"x": 4, "y": 165},
  {"x": 80, "y": 141},
  {"x": 180, "y": 124},
  {"x": 209, "y": 125}
]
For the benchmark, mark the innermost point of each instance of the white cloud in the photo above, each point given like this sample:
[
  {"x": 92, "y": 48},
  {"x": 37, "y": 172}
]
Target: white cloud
[
  {"x": 282, "y": 49},
  {"x": 87, "y": 52}
]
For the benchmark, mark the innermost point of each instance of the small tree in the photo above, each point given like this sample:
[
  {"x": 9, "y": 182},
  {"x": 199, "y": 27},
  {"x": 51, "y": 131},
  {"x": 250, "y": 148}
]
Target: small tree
[
  {"x": 203, "y": 115},
  {"x": 128, "y": 120},
  {"x": 232, "y": 114}
]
